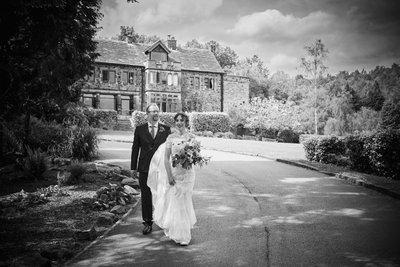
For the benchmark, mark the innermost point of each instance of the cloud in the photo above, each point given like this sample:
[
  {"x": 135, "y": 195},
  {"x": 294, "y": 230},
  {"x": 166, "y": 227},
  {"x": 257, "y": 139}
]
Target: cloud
[
  {"x": 271, "y": 24},
  {"x": 169, "y": 11},
  {"x": 283, "y": 62}
]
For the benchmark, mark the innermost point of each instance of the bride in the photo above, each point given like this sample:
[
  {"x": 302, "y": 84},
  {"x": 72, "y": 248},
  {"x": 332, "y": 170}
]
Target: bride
[{"x": 172, "y": 187}]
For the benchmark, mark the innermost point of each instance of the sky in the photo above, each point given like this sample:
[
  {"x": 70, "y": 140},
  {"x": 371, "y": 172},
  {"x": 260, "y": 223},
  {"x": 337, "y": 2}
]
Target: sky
[{"x": 359, "y": 34}]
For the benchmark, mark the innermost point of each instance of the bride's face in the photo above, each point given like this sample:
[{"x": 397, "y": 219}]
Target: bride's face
[{"x": 180, "y": 122}]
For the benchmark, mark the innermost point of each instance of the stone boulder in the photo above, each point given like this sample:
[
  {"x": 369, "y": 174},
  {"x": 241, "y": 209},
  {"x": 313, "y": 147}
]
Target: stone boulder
[
  {"x": 104, "y": 167},
  {"x": 119, "y": 177},
  {"x": 85, "y": 235},
  {"x": 129, "y": 190},
  {"x": 126, "y": 172},
  {"x": 105, "y": 218},
  {"x": 131, "y": 182},
  {"x": 119, "y": 209}
]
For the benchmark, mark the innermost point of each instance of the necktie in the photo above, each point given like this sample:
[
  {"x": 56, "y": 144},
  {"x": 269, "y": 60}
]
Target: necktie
[{"x": 152, "y": 131}]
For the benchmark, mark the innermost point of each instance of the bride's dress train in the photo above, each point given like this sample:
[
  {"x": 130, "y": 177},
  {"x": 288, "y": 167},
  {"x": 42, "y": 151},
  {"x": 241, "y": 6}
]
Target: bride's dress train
[{"x": 173, "y": 205}]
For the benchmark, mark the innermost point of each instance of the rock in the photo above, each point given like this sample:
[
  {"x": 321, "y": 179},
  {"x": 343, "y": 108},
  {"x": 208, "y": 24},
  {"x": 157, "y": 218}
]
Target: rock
[
  {"x": 126, "y": 172},
  {"x": 104, "y": 198},
  {"x": 105, "y": 218},
  {"x": 103, "y": 167},
  {"x": 85, "y": 235},
  {"x": 90, "y": 167},
  {"x": 122, "y": 201},
  {"x": 132, "y": 191},
  {"x": 29, "y": 260},
  {"x": 120, "y": 209},
  {"x": 119, "y": 177},
  {"x": 131, "y": 182}
]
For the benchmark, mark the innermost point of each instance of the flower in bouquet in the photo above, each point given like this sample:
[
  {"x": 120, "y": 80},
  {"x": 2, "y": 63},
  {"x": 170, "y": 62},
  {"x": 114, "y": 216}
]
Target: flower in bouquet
[{"x": 189, "y": 155}]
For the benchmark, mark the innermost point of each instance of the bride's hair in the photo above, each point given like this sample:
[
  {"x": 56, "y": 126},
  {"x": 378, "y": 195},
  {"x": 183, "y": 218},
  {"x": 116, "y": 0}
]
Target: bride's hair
[{"x": 183, "y": 116}]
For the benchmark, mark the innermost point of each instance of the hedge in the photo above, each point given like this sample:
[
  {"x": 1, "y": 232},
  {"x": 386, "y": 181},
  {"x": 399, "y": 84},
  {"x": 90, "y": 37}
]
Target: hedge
[
  {"x": 198, "y": 122},
  {"x": 209, "y": 121},
  {"x": 377, "y": 153},
  {"x": 140, "y": 117},
  {"x": 384, "y": 153}
]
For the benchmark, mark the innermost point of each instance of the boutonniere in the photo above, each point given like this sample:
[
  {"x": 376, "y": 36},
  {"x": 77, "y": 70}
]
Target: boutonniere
[{"x": 162, "y": 129}]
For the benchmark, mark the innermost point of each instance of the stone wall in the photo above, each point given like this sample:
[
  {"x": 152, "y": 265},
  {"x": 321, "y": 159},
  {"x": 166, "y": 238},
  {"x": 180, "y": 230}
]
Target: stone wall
[
  {"x": 236, "y": 90},
  {"x": 128, "y": 93},
  {"x": 192, "y": 91}
]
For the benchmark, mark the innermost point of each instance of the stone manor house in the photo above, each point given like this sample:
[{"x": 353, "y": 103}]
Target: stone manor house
[{"x": 128, "y": 76}]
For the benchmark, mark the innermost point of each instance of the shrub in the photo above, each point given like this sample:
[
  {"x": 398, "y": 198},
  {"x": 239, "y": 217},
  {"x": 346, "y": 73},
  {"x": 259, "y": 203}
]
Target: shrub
[
  {"x": 208, "y": 134},
  {"x": 384, "y": 153},
  {"x": 167, "y": 118},
  {"x": 64, "y": 178},
  {"x": 77, "y": 169},
  {"x": 10, "y": 142},
  {"x": 34, "y": 165},
  {"x": 73, "y": 114},
  {"x": 269, "y": 133},
  {"x": 209, "y": 121},
  {"x": 219, "y": 134},
  {"x": 138, "y": 118},
  {"x": 83, "y": 142},
  {"x": 310, "y": 146},
  {"x": 357, "y": 153},
  {"x": 229, "y": 135},
  {"x": 288, "y": 136},
  {"x": 45, "y": 135},
  {"x": 326, "y": 146},
  {"x": 101, "y": 118},
  {"x": 305, "y": 137}
]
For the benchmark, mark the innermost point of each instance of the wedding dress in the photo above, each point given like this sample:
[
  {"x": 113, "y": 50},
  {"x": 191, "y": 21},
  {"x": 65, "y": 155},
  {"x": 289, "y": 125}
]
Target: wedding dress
[{"x": 173, "y": 205}]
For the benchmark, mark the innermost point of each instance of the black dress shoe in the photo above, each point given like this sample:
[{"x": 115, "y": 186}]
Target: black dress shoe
[{"x": 147, "y": 229}]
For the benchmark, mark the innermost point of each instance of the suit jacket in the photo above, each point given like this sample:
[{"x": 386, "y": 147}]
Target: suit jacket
[{"x": 144, "y": 146}]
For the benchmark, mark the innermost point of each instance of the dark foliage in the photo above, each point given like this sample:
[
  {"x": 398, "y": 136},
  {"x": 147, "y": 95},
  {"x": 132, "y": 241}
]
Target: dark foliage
[{"x": 288, "y": 136}]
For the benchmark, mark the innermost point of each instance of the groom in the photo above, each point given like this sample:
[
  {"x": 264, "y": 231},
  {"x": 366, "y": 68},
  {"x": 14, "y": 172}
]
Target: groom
[{"x": 147, "y": 138}]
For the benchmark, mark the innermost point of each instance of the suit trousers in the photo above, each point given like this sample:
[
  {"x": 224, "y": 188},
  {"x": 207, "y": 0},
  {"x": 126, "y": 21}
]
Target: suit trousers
[{"x": 147, "y": 205}]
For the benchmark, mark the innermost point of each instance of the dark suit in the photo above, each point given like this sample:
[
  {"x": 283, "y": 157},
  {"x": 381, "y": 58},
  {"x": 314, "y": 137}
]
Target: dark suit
[{"x": 144, "y": 143}]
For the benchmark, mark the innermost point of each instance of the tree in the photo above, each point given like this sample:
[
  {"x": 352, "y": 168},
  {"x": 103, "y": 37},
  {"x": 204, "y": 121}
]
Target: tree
[
  {"x": 255, "y": 69},
  {"x": 313, "y": 64},
  {"x": 127, "y": 33},
  {"x": 280, "y": 85},
  {"x": 267, "y": 114},
  {"x": 46, "y": 47},
  {"x": 390, "y": 114},
  {"x": 194, "y": 44},
  {"x": 225, "y": 55},
  {"x": 373, "y": 97}
]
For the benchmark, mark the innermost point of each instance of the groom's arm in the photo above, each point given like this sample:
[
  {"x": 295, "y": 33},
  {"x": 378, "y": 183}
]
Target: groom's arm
[{"x": 135, "y": 149}]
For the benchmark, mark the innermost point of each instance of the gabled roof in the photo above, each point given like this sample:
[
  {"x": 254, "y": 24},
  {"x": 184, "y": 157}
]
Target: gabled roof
[
  {"x": 119, "y": 52},
  {"x": 158, "y": 43}
]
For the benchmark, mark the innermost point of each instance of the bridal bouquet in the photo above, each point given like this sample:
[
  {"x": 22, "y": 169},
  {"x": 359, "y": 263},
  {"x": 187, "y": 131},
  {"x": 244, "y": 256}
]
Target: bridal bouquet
[{"x": 189, "y": 155}]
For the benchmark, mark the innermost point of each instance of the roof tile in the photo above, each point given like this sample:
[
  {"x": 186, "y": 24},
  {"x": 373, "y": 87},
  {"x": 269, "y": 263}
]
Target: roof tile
[{"x": 119, "y": 52}]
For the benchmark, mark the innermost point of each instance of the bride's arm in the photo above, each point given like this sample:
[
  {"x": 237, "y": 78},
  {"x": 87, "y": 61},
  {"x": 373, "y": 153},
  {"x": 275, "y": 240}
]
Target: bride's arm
[{"x": 167, "y": 164}]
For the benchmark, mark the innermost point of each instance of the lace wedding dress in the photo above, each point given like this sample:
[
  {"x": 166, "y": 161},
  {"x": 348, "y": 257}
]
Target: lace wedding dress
[{"x": 173, "y": 205}]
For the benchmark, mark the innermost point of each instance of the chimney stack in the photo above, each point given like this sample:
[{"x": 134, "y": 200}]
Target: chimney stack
[
  {"x": 171, "y": 42},
  {"x": 212, "y": 48}
]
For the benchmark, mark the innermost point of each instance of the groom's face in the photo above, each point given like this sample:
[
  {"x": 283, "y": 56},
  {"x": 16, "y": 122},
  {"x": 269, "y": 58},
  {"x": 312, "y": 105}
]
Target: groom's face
[{"x": 152, "y": 114}]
